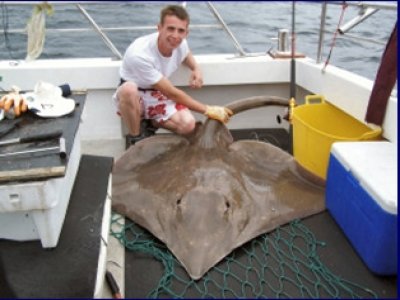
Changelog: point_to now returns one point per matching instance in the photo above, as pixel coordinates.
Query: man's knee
(128, 93)
(186, 125)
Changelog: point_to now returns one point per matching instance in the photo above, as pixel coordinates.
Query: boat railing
(102, 31)
(365, 10)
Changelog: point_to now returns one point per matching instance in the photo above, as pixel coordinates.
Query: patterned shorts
(154, 105)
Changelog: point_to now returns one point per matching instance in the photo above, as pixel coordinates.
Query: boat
(281, 72)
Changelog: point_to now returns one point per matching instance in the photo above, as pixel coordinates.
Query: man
(145, 91)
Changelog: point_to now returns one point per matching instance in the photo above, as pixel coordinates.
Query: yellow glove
(218, 113)
(14, 100)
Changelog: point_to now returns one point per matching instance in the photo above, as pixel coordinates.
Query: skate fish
(205, 195)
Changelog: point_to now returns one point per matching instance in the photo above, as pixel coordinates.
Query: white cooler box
(361, 195)
(35, 210)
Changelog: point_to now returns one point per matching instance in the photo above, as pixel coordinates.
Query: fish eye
(178, 201)
(227, 204)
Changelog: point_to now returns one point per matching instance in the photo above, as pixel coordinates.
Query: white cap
(47, 101)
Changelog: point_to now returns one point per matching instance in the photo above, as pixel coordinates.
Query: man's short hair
(174, 10)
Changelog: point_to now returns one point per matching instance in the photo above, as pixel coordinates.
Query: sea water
(254, 24)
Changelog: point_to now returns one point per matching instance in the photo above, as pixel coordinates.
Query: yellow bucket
(316, 125)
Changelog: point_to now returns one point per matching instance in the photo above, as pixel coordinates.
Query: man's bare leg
(129, 107)
(182, 122)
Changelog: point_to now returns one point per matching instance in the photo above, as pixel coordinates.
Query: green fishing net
(281, 264)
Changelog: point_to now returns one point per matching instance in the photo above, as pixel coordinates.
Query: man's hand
(196, 79)
(218, 113)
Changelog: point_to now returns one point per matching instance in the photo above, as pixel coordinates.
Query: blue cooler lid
(374, 165)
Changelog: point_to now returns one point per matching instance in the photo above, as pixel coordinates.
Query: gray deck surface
(69, 270)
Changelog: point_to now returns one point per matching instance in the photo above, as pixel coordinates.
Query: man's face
(171, 34)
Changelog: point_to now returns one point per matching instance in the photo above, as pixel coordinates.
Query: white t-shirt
(144, 64)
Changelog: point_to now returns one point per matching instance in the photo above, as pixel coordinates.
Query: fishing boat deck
(143, 272)
(73, 268)
(70, 269)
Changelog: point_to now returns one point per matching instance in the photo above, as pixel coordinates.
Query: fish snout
(198, 206)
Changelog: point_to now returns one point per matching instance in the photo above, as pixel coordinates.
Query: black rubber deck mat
(276, 136)
(69, 270)
(32, 166)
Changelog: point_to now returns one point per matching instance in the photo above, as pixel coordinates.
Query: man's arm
(179, 96)
(219, 113)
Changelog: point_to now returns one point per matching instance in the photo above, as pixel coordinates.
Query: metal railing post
(226, 28)
(104, 37)
(321, 32)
